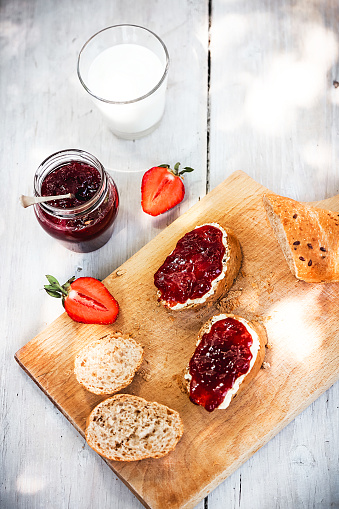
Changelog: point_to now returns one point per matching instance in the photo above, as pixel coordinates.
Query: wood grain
(302, 327)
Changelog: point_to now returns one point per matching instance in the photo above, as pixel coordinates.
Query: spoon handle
(27, 201)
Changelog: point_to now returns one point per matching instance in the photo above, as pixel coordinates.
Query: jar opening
(59, 160)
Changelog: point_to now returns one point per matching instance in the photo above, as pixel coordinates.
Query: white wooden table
(251, 87)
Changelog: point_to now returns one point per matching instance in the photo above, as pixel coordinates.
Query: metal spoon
(27, 201)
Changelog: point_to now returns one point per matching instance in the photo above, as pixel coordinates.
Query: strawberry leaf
(68, 283)
(187, 169)
(52, 280)
(54, 285)
(53, 293)
(52, 288)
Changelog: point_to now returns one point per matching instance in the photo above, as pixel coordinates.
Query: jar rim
(137, 99)
(58, 159)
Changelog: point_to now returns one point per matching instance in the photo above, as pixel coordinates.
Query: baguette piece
(308, 237)
(176, 271)
(108, 364)
(129, 428)
(216, 384)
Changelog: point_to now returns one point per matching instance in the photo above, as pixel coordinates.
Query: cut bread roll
(108, 364)
(229, 353)
(200, 269)
(308, 237)
(129, 428)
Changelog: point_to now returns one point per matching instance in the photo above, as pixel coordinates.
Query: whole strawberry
(85, 299)
(162, 188)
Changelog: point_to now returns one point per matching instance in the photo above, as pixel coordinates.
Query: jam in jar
(85, 222)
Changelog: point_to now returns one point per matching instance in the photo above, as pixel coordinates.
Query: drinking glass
(124, 68)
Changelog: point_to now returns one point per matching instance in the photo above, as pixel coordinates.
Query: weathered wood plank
(43, 460)
(274, 114)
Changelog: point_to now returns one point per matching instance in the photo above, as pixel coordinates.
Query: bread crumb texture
(129, 428)
(108, 364)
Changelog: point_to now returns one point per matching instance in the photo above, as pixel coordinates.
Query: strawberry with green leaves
(85, 299)
(162, 188)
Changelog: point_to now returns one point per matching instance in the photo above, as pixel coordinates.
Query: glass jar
(81, 226)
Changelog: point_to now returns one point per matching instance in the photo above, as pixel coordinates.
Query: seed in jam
(76, 177)
(223, 354)
(188, 272)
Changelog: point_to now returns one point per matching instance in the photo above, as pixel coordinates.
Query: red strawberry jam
(221, 357)
(76, 177)
(83, 223)
(188, 272)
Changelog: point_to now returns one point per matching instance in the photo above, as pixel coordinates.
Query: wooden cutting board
(302, 323)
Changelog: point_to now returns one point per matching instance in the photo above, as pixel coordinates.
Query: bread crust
(122, 378)
(308, 237)
(139, 404)
(262, 336)
(230, 271)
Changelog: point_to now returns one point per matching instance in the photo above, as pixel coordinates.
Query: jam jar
(85, 222)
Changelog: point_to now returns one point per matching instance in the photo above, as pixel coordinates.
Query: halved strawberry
(162, 188)
(85, 299)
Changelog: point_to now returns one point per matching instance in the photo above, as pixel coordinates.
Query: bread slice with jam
(229, 353)
(129, 428)
(200, 269)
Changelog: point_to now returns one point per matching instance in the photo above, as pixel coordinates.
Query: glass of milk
(124, 68)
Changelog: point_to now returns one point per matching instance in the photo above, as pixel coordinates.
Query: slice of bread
(308, 237)
(230, 266)
(212, 359)
(108, 364)
(129, 428)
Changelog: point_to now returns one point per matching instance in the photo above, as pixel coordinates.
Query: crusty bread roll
(108, 364)
(308, 237)
(221, 358)
(230, 264)
(129, 428)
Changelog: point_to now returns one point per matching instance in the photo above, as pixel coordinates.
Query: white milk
(126, 72)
